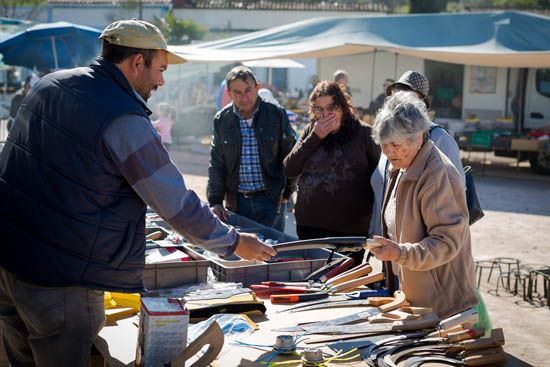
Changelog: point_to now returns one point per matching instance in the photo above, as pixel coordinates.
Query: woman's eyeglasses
(320, 110)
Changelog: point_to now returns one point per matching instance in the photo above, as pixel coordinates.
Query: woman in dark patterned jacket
(334, 160)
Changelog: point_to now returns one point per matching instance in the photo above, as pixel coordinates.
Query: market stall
(304, 307)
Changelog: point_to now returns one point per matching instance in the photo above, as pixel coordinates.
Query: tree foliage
(422, 6)
(20, 9)
(179, 31)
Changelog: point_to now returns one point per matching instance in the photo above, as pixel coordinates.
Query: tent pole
(52, 39)
(395, 68)
(507, 95)
(372, 75)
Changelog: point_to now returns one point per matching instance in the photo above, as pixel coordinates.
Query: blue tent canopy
(502, 39)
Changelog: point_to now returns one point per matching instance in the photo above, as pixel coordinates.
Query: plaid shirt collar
(240, 116)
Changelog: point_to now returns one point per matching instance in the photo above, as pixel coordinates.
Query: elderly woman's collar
(417, 166)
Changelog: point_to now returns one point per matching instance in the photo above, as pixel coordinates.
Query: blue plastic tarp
(506, 39)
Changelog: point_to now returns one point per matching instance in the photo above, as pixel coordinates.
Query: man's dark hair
(239, 72)
(339, 74)
(117, 54)
(27, 82)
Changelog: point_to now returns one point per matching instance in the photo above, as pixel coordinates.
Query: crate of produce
(482, 139)
(463, 139)
(501, 141)
(505, 123)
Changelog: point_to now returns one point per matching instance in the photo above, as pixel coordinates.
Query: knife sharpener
(285, 344)
(312, 357)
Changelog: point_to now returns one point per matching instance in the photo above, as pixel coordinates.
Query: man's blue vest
(65, 218)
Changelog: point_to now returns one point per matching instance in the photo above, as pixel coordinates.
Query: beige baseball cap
(138, 34)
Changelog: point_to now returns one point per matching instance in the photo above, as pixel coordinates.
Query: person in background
(164, 123)
(377, 103)
(333, 161)
(416, 84)
(342, 77)
(313, 81)
(426, 235)
(267, 96)
(77, 172)
(223, 98)
(251, 139)
(19, 96)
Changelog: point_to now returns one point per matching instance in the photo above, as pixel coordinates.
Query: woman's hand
(325, 126)
(389, 250)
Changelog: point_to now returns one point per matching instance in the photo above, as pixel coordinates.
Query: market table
(117, 343)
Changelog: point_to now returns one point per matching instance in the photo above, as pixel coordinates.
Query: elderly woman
(424, 212)
(334, 159)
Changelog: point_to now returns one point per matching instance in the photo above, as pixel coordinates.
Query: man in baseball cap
(80, 166)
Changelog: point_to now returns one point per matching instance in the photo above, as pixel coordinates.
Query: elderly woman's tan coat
(435, 265)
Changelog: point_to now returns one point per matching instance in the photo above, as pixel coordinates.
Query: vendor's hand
(388, 252)
(325, 126)
(251, 248)
(219, 210)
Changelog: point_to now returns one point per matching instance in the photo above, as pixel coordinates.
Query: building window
(543, 82)
(446, 81)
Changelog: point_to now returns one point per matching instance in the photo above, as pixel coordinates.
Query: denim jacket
(275, 139)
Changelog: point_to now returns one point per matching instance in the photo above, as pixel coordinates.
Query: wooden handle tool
(154, 235)
(357, 272)
(483, 359)
(343, 287)
(398, 302)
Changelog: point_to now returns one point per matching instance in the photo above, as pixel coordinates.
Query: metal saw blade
(363, 315)
(335, 304)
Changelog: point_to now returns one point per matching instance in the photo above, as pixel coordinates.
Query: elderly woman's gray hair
(402, 116)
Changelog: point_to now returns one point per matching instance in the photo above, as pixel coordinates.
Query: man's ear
(228, 92)
(136, 63)
(257, 87)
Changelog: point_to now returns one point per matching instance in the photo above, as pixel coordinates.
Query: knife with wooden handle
(356, 272)
(352, 284)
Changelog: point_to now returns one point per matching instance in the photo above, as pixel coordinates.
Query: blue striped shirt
(250, 170)
(135, 151)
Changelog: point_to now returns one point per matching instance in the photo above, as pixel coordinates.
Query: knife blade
(362, 294)
(349, 244)
(429, 320)
(360, 316)
(371, 301)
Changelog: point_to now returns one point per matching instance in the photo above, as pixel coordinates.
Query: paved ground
(516, 202)
(517, 207)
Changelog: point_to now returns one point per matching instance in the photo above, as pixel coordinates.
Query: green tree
(179, 31)
(20, 9)
(423, 6)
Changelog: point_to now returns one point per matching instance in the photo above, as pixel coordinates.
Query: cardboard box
(162, 334)
(528, 144)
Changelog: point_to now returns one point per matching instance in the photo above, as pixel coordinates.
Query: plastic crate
(170, 275)
(234, 269)
(501, 142)
(482, 139)
(250, 272)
